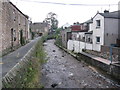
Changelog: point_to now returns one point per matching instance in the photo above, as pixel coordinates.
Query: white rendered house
(105, 29)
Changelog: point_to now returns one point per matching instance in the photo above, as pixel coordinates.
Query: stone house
(40, 28)
(15, 27)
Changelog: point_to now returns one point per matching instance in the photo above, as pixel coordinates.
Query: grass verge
(33, 75)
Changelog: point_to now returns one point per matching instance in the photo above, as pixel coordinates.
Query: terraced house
(15, 27)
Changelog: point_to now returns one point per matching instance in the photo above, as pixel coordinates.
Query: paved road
(10, 60)
(64, 71)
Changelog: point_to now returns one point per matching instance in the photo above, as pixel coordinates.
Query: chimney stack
(106, 11)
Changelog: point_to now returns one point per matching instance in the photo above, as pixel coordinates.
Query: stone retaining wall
(107, 49)
(104, 54)
(111, 69)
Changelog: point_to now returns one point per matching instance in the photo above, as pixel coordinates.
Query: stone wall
(66, 35)
(111, 69)
(13, 21)
(107, 49)
(105, 53)
(0, 27)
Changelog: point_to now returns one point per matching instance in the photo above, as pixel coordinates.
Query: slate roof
(89, 21)
(114, 14)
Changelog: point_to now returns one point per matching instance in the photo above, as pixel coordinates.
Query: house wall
(6, 25)
(98, 32)
(64, 38)
(78, 36)
(90, 27)
(66, 34)
(74, 35)
(12, 18)
(1, 27)
(78, 46)
(70, 45)
(89, 46)
(82, 46)
(111, 31)
(29, 30)
(81, 36)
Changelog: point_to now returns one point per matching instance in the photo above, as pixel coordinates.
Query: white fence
(77, 46)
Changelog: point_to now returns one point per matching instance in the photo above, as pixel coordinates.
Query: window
(97, 39)
(97, 23)
(83, 39)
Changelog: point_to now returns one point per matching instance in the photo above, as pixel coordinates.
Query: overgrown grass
(31, 76)
(34, 71)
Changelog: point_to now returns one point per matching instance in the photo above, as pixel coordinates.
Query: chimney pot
(106, 11)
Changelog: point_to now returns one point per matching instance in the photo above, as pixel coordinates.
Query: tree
(52, 20)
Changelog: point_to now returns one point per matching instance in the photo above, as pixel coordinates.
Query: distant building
(66, 35)
(79, 30)
(40, 28)
(15, 27)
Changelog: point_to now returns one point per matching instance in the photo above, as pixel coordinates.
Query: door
(12, 38)
(21, 37)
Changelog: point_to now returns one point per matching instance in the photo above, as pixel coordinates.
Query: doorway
(12, 38)
(21, 37)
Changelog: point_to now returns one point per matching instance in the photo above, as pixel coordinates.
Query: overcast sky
(65, 13)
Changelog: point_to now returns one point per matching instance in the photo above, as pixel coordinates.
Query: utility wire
(70, 4)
